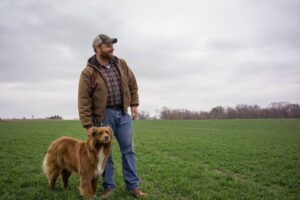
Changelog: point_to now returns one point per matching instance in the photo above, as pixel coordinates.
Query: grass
(207, 159)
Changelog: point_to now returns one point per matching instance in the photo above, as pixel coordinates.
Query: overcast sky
(190, 54)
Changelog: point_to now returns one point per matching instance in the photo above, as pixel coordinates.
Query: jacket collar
(94, 63)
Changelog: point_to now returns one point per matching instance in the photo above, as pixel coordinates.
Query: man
(107, 88)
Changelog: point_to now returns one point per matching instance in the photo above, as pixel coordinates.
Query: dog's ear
(110, 131)
(94, 131)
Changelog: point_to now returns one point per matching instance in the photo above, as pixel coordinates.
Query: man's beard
(105, 55)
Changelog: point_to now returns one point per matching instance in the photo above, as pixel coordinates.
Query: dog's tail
(46, 163)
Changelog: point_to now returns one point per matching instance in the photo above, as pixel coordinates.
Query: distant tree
(217, 112)
(242, 111)
(203, 115)
(277, 109)
(165, 113)
(55, 117)
(293, 110)
(230, 113)
(284, 110)
(143, 115)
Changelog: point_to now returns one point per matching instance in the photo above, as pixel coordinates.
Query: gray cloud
(194, 55)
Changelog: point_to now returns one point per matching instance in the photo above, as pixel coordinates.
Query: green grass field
(207, 159)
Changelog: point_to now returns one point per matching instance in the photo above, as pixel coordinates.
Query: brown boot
(107, 193)
(137, 193)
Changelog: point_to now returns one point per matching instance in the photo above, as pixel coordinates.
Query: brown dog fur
(66, 155)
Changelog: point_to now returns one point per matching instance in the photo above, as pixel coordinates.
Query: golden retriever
(87, 158)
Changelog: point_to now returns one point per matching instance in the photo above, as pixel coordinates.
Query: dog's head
(101, 136)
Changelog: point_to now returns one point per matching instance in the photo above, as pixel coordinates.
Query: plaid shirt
(113, 82)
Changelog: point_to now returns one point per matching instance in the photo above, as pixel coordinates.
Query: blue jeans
(121, 124)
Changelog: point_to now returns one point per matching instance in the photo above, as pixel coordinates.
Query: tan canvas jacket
(92, 92)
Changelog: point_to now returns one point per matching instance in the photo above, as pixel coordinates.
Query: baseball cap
(103, 39)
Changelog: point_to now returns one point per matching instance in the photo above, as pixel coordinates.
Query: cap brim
(111, 41)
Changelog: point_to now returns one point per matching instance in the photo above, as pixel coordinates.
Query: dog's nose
(106, 138)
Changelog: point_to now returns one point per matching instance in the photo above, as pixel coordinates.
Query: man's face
(105, 51)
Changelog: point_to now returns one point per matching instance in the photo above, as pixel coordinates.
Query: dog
(87, 158)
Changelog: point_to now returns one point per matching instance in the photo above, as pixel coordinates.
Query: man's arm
(85, 100)
(133, 87)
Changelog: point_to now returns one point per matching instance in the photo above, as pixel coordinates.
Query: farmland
(201, 159)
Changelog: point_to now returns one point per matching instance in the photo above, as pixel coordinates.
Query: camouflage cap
(103, 39)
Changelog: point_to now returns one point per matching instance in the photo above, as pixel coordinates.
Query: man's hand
(134, 112)
(89, 131)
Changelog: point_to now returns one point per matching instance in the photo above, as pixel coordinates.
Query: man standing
(107, 87)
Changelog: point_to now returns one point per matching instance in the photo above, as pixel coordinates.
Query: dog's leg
(65, 174)
(52, 178)
(94, 184)
(86, 187)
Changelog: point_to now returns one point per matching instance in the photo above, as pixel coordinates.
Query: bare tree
(217, 112)
(241, 111)
(143, 115)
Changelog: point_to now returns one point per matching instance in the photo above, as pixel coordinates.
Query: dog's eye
(97, 133)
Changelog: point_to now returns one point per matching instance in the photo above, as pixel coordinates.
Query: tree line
(242, 111)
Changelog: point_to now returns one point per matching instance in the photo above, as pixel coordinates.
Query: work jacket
(92, 91)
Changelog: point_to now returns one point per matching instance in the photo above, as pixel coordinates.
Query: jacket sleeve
(133, 87)
(85, 99)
